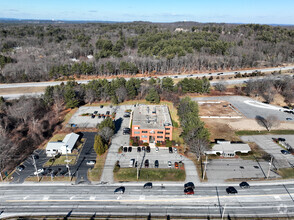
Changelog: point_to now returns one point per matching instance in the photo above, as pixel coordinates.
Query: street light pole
(223, 213)
(269, 168)
(35, 167)
(205, 168)
(67, 165)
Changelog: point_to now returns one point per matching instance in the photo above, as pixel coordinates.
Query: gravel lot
(248, 110)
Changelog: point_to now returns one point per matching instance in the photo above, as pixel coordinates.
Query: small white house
(66, 146)
(228, 149)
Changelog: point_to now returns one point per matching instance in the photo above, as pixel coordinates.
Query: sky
(228, 11)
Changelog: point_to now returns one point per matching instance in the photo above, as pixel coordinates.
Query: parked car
(125, 149)
(156, 149)
(132, 163)
(39, 171)
(99, 116)
(244, 185)
(20, 168)
(147, 185)
(148, 149)
(175, 150)
(189, 185)
(289, 119)
(91, 162)
(127, 115)
(170, 150)
(175, 76)
(120, 190)
(92, 116)
(156, 164)
(138, 149)
(146, 163)
(189, 191)
(169, 164)
(231, 190)
(95, 112)
(107, 112)
(285, 152)
(101, 106)
(143, 148)
(130, 149)
(176, 165)
(281, 139)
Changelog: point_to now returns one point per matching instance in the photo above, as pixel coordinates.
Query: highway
(99, 200)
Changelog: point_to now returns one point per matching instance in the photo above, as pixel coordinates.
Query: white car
(39, 171)
(169, 164)
(156, 149)
(175, 150)
(91, 162)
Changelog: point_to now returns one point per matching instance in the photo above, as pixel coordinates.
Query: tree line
(57, 51)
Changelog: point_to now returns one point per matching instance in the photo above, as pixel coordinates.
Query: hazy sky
(233, 11)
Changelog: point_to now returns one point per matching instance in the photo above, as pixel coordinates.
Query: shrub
(145, 144)
(157, 144)
(168, 143)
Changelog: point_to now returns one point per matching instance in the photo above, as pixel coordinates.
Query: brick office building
(151, 123)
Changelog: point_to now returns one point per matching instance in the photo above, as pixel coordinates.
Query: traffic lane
(138, 190)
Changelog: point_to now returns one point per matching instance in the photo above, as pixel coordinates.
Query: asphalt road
(96, 200)
(182, 76)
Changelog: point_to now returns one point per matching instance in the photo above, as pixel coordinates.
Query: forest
(57, 51)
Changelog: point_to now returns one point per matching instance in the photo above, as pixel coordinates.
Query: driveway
(250, 108)
(267, 144)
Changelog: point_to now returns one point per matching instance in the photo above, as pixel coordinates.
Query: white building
(228, 149)
(66, 146)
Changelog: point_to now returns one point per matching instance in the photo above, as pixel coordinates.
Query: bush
(175, 124)
(158, 144)
(145, 144)
(168, 143)
(116, 167)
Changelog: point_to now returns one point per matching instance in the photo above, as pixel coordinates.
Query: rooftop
(152, 116)
(231, 147)
(69, 141)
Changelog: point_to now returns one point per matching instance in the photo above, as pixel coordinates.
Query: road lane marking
(192, 198)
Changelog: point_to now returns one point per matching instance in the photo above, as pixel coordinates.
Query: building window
(152, 132)
(136, 127)
(167, 128)
(166, 138)
(159, 136)
(137, 132)
(145, 132)
(144, 136)
(159, 132)
(167, 133)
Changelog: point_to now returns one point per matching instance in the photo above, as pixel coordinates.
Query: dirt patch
(217, 108)
(220, 129)
(252, 125)
(22, 90)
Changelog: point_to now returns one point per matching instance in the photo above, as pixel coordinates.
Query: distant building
(66, 146)
(152, 123)
(181, 30)
(228, 149)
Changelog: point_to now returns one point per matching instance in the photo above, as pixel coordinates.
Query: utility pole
(35, 167)
(1, 176)
(137, 168)
(67, 165)
(269, 168)
(205, 168)
(223, 213)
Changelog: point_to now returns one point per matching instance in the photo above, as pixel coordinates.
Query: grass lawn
(176, 135)
(68, 116)
(57, 137)
(286, 173)
(61, 161)
(240, 133)
(150, 174)
(96, 172)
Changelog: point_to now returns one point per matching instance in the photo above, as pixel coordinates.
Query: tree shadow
(118, 124)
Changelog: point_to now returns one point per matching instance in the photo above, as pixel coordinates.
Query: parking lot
(220, 170)
(267, 144)
(78, 170)
(85, 117)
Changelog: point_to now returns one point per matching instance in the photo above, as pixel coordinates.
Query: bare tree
(106, 133)
(221, 86)
(121, 94)
(198, 146)
(268, 122)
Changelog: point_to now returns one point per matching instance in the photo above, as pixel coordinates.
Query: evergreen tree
(153, 96)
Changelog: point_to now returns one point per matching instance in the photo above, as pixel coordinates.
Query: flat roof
(151, 116)
(230, 148)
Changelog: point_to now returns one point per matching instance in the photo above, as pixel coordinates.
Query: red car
(189, 191)
(176, 165)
